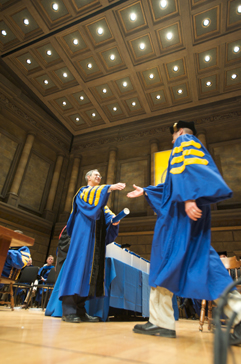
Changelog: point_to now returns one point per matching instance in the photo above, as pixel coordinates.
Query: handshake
(138, 191)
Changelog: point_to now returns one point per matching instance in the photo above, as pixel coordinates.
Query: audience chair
(26, 279)
(230, 263)
(9, 281)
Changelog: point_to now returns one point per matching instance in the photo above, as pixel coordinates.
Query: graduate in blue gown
(90, 229)
(182, 259)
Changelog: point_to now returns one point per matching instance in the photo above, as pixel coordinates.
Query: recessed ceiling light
(112, 57)
(114, 108)
(81, 98)
(206, 22)
(234, 75)
(76, 119)
(104, 90)
(26, 21)
(46, 82)
(4, 33)
(55, 6)
(28, 61)
(169, 35)
(208, 83)
(239, 9)
(133, 16)
(124, 84)
(175, 68)
(158, 97)
(207, 58)
(133, 103)
(142, 46)
(151, 76)
(180, 91)
(236, 49)
(76, 41)
(64, 103)
(65, 74)
(49, 52)
(93, 114)
(89, 65)
(163, 4)
(100, 31)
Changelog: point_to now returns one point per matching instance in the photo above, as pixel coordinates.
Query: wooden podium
(8, 238)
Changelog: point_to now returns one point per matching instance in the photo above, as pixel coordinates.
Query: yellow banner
(160, 166)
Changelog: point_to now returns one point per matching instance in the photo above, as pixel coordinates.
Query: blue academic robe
(43, 272)
(182, 259)
(87, 206)
(16, 258)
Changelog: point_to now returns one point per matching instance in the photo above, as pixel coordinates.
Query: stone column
(48, 213)
(154, 149)
(72, 184)
(111, 172)
(202, 137)
(13, 193)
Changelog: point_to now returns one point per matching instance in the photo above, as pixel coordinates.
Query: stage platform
(27, 337)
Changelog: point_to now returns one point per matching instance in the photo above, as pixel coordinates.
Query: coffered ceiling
(101, 63)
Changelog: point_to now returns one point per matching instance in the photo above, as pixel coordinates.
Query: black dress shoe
(150, 329)
(71, 318)
(235, 337)
(88, 318)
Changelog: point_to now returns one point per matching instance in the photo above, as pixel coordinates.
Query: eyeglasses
(98, 175)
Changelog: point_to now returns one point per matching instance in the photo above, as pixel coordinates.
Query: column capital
(201, 131)
(113, 149)
(153, 140)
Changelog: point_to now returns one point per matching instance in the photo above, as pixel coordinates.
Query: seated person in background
(43, 275)
(41, 278)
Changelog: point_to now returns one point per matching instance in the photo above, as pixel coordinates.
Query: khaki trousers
(162, 314)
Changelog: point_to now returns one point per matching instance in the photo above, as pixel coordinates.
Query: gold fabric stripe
(92, 193)
(195, 161)
(196, 152)
(188, 161)
(97, 197)
(25, 258)
(191, 143)
(179, 159)
(106, 210)
(177, 150)
(85, 192)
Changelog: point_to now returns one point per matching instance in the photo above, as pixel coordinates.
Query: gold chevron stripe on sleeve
(97, 197)
(107, 210)
(196, 152)
(25, 258)
(188, 161)
(177, 150)
(177, 159)
(191, 143)
(92, 193)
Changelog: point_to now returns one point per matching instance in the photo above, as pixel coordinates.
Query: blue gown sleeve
(193, 175)
(19, 258)
(111, 230)
(153, 195)
(88, 201)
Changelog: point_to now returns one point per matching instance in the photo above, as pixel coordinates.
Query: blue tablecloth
(125, 288)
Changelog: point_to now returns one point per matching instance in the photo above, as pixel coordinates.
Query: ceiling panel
(116, 62)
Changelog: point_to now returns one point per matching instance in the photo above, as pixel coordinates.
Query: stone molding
(149, 132)
(32, 122)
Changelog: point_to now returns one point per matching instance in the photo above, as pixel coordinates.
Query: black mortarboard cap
(183, 124)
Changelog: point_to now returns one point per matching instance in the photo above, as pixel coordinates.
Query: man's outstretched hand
(192, 210)
(136, 193)
(117, 187)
